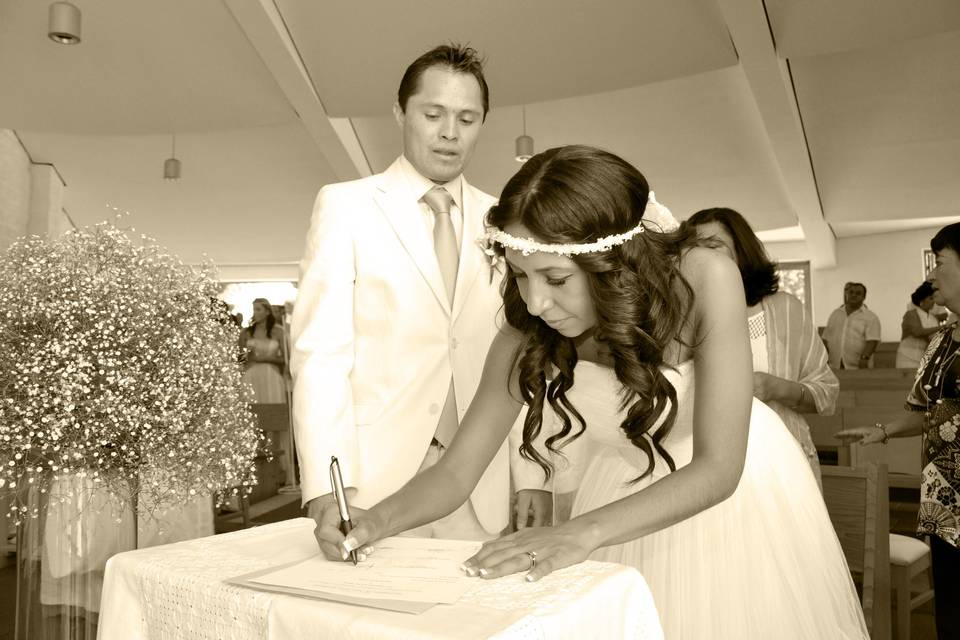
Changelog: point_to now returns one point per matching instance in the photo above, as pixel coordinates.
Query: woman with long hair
(261, 342)
(636, 339)
(791, 373)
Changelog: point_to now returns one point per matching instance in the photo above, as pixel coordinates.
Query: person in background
(790, 370)
(932, 410)
(264, 362)
(396, 308)
(853, 331)
(918, 324)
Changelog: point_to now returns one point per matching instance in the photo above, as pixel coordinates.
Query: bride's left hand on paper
(536, 550)
(325, 513)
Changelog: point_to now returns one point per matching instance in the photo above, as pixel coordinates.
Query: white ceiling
(815, 119)
(884, 128)
(537, 49)
(142, 67)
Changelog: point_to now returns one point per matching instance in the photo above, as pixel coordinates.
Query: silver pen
(336, 481)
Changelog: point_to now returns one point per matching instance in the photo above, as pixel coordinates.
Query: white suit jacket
(375, 340)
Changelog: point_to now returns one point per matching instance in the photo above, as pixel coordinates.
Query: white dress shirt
(419, 185)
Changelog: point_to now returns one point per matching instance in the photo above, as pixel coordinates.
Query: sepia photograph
(490, 319)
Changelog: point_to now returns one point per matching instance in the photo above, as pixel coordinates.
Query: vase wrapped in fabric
(122, 407)
(62, 553)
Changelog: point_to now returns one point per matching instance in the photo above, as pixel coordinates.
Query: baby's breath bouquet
(116, 367)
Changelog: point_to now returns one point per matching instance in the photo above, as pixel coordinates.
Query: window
(929, 262)
(240, 297)
(795, 280)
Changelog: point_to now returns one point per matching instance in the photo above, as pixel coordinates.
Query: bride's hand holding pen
(326, 514)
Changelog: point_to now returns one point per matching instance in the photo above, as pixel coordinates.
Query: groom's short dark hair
(456, 58)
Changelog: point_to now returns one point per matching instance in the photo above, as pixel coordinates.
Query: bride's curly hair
(579, 194)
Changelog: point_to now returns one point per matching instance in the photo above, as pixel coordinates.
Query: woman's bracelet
(883, 429)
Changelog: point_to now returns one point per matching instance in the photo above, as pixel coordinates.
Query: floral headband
(654, 213)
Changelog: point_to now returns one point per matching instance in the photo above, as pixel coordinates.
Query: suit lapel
(471, 257)
(404, 215)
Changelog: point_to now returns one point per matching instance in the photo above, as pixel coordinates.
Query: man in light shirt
(397, 307)
(853, 331)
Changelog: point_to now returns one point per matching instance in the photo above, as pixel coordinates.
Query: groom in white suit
(396, 309)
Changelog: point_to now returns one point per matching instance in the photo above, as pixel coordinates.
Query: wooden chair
(272, 419)
(909, 557)
(858, 502)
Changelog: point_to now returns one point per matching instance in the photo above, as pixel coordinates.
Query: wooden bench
(900, 455)
(875, 379)
(868, 396)
(885, 357)
(873, 397)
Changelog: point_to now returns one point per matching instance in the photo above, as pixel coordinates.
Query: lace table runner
(183, 594)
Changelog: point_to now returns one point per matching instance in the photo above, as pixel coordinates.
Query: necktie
(444, 239)
(448, 257)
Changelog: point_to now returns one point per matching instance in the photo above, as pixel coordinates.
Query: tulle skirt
(765, 563)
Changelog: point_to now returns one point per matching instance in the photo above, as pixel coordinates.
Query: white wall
(31, 195)
(889, 264)
(259, 272)
(14, 189)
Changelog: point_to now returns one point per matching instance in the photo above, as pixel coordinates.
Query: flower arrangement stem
(135, 506)
(18, 617)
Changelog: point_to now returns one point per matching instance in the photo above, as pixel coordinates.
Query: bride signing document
(624, 332)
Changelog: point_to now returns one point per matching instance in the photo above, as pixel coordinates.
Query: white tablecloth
(177, 591)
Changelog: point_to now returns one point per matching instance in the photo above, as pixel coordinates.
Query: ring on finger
(533, 558)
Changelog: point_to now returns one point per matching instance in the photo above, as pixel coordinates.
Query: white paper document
(410, 570)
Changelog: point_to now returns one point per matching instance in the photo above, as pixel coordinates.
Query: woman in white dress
(918, 325)
(264, 362)
(637, 340)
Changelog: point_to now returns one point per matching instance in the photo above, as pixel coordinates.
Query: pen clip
(336, 482)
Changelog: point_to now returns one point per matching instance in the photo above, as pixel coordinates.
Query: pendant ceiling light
(171, 166)
(64, 23)
(524, 144)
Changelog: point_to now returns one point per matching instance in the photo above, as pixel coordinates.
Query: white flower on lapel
(494, 262)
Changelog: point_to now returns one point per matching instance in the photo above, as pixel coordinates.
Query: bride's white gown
(765, 563)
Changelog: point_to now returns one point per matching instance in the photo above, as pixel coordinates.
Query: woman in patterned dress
(933, 411)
